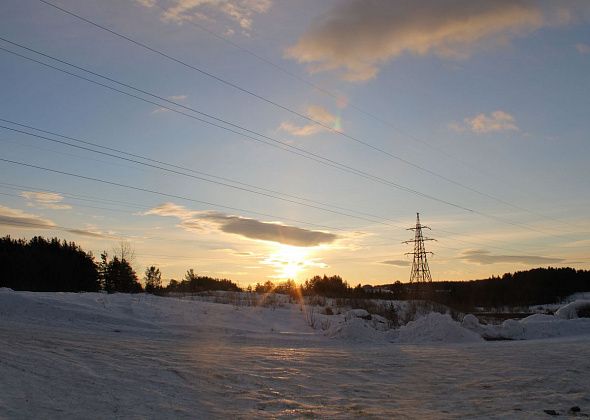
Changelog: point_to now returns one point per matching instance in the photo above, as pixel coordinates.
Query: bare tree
(125, 251)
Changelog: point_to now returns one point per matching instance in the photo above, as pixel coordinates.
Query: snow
(93, 355)
(570, 311)
(436, 327)
(537, 326)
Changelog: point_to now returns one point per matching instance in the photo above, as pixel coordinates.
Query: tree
(190, 275)
(153, 279)
(194, 283)
(332, 286)
(264, 288)
(119, 276)
(125, 251)
(102, 267)
(46, 265)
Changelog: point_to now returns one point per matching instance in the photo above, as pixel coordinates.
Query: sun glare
(288, 261)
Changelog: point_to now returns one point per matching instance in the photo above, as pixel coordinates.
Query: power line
(78, 205)
(293, 149)
(285, 108)
(451, 233)
(364, 112)
(183, 168)
(320, 89)
(381, 221)
(19, 187)
(190, 176)
(163, 194)
(257, 56)
(275, 143)
(80, 232)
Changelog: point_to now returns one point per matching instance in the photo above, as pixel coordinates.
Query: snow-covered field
(139, 356)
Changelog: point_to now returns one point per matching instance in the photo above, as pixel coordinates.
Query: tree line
(522, 288)
(54, 265)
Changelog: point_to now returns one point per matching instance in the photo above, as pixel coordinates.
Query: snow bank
(436, 327)
(355, 330)
(570, 311)
(357, 325)
(147, 314)
(564, 323)
(143, 312)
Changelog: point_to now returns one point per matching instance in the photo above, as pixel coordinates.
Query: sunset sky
(274, 139)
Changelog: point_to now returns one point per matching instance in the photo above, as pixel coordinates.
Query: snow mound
(537, 318)
(356, 330)
(571, 310)
(358, 325)
(471, 323)
(436, 327)
(357, 313)
(533, 327)
(144, 313)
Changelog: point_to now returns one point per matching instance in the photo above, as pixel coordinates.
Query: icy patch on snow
(436, 327)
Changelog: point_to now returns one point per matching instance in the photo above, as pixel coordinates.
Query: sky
(263, 140)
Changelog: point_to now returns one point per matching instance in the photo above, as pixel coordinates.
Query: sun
(288, 261)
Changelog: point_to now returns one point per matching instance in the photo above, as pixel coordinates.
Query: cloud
(147, 3)
(316, 113)
(244, 254)
(241, 12)
(359, 36)
(177, 97)
(497, 121)
(173, 98)
(245, 227)
(485, 257)
(583, 48)
(90, 233)
(18, 218)
(399, 263)
(46, 200)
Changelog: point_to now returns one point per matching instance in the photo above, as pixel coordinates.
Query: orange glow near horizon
(288, 261)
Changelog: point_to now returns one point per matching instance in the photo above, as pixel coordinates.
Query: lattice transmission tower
(420, 269)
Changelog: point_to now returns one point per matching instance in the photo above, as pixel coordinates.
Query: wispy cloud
(46, 200)
(316, 113)
(146, 3)
(173, 98)
(485, 257)
(177, 97)
(583, 48)
(192, 220)
(358, 36)
(497, 121)
(399, 263)
(18, 218)
(92, 234)
(244, 254)
(242, 12)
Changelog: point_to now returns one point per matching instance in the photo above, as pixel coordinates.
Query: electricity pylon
(420, 270)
